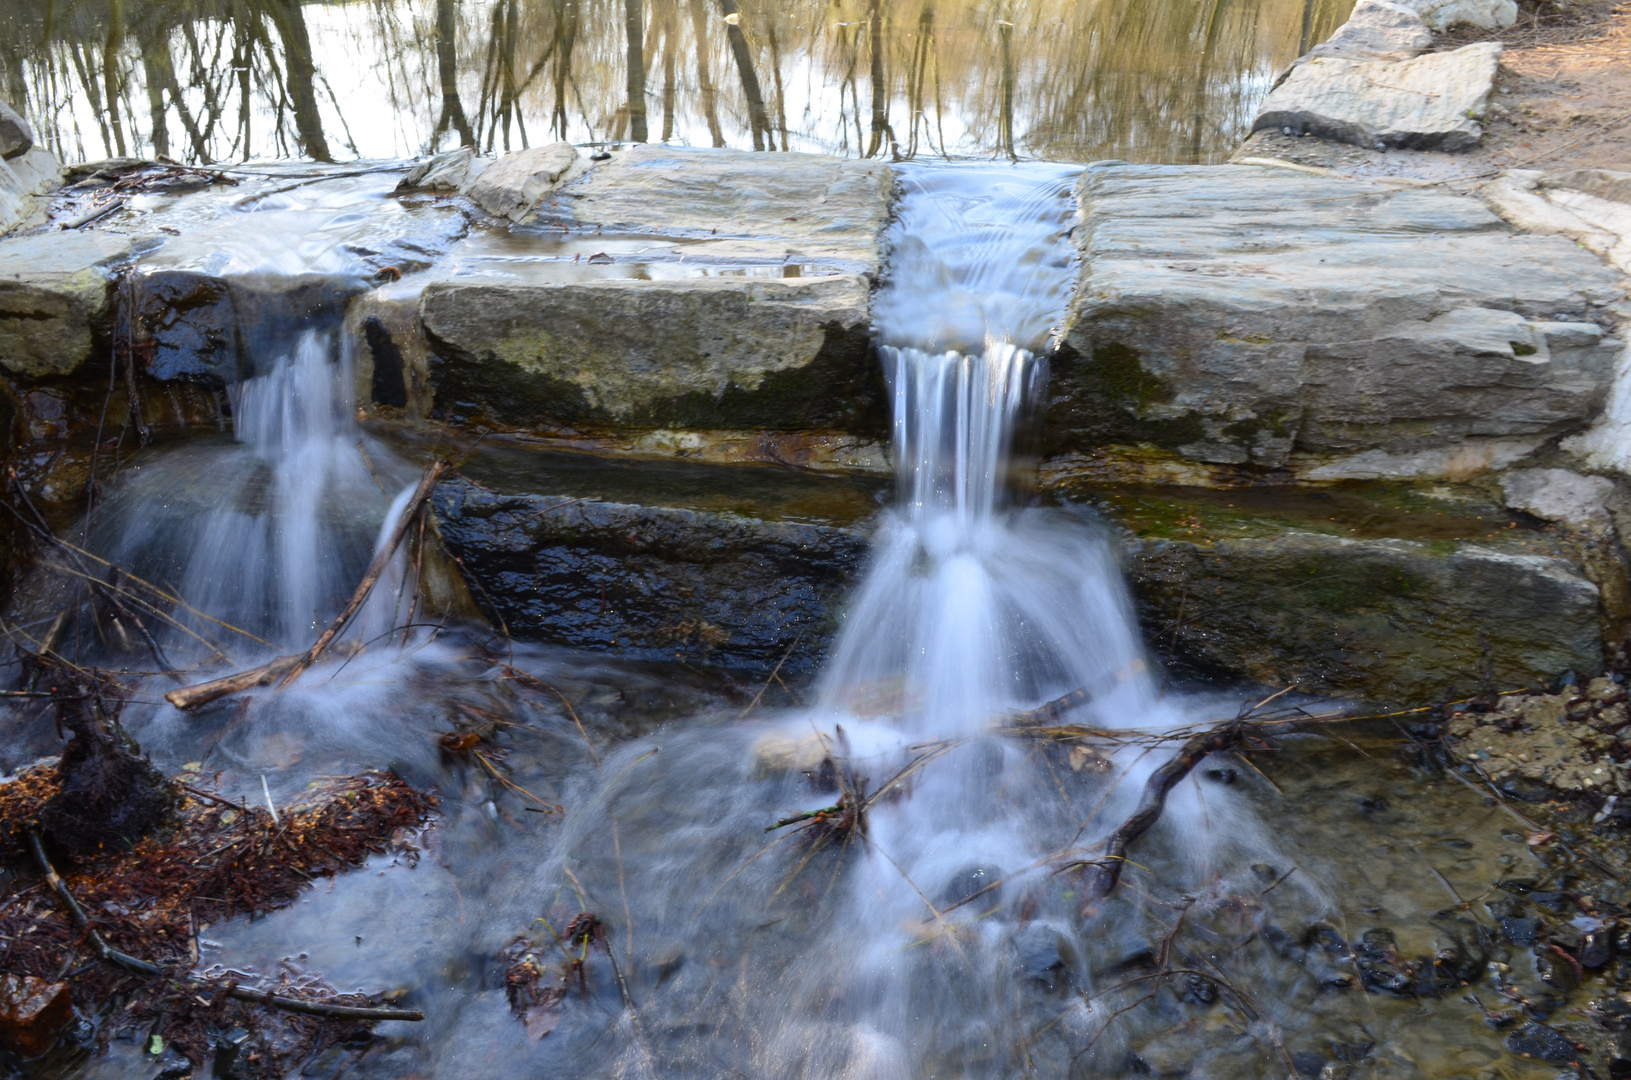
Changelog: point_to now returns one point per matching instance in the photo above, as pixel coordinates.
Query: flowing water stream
(945, 931)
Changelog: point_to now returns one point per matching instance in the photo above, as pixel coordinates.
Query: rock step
(1247, 315)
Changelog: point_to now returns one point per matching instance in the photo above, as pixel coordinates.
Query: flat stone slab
(1239, 314)
(687, 288)
(53, 294)
(1432, 102)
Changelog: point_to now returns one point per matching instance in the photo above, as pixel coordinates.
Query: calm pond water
(1066, 80)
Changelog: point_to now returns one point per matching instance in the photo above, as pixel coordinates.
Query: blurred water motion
(1069, 80)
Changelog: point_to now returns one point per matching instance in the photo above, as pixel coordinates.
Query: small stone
(32, 1011)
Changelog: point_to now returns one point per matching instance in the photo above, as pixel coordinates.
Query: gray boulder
(53, 296)
(25, 183)
(1432, 102)
(511, 186)
(16, 137)
(1240, 314)
(1378, 30)
(1561, 496)
(703, 289)
(452, 171)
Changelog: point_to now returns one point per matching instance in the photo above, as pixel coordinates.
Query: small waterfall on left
(269, 534)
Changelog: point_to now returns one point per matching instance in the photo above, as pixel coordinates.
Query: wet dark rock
(1044, 956)
(1283, 944)
(197, 327)
(1199, 990)
(1517, 886)
(974, 886)
(389, 385)
(1611, 1014)
(1371, 804)
(1308, 1064)
(32, 1011)
(1326, 937)
(1555, 902)
(1519, 931)
(1539, 1041)
(1556, 969)
(1380, 965)
(1619, 1068)
(1221, 776)
(651, 582)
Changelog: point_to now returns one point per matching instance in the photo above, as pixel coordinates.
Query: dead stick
(427, 484)
(289, 668)
(1162, 780)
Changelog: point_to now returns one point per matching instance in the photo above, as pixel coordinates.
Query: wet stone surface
(651, 581)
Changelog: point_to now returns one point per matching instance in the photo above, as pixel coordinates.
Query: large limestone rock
(1562, 496)
(1378, 30)
(1432, 102)
(16, 137)
(1239, 315)
(53, 295)
(702, 289)
(512, 186)
(796, 208)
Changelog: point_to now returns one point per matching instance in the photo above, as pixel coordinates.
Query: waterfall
(271, 534)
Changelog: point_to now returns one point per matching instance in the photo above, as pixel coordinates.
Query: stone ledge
(1237, 314)
(652, 582)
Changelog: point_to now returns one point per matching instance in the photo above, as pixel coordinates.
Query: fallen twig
(286, 669)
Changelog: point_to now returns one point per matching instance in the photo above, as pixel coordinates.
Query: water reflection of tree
(212, 80)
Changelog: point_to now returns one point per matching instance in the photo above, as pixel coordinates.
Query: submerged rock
(1432, 102)
(1240, 315)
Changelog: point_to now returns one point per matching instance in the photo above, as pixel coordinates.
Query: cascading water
(925, 936)
(271, 535)
(943, 934)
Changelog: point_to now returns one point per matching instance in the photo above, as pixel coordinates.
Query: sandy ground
(1562, 102)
